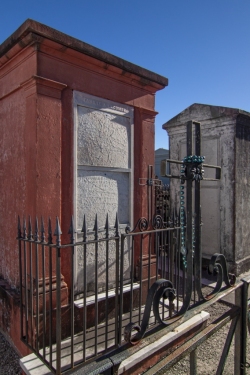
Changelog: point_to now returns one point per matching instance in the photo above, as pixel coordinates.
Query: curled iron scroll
(218, 266)
(158, 222)
(160, 288)
(142, 224)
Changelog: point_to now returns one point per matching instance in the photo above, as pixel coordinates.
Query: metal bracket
(149, 182)
(164, 164)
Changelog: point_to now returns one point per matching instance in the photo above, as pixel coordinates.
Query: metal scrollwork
(218, 267)
(142, 224)
(158, 222)
(160, 289)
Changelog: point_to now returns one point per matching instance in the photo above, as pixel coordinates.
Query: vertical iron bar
(164, 254)
(44, 285)
(50, 291)
(193, 362)
(19, 237)
(96, 282)
(72, 241)
(149, 261)
(189, 203)
(119, 278)
(84, 231)
(140, 295)
(30, 238)
(157, 250)
(227, 345)
(178, 261)
(132, 277)
(36, 239)
(245, 288)
(121, 281)
(107, 282)
(26, 282)
(197, 218)
(238, 333)
(58, 233)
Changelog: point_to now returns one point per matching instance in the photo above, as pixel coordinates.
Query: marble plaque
(103, 181)
(102, 193)
(103, 138)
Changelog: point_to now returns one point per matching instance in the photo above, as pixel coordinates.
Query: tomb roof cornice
(203, 113)
(32, 31)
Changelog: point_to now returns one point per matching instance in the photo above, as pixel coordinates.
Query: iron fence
(123, 274)
(64, 328)
(118, 282)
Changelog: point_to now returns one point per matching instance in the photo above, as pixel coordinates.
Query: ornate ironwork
(190, 244)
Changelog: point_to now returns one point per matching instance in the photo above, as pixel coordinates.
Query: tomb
(225, 203)
(77, 134)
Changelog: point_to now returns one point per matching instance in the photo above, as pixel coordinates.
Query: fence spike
(24, 229)
(36, 236)
(84, 229)
(107, 226)
(58, 232)
(96, 227)
(116, 225)
(42, 230)
(50, 238)
(72, 230)
(19, 231)
(30, 235)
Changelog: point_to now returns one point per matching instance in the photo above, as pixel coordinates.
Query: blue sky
(202, 46)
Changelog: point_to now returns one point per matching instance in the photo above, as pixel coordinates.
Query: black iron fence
(128, 282)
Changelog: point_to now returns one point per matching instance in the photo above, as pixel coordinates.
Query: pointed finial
(50, 238)
(42, 230)
(72, 230)
(24, 229)
(96, 227)
(84, 229)
(116, 225)
(19, 232)
(58, 232)
(107, 226)
(36, 236)
(30, 235)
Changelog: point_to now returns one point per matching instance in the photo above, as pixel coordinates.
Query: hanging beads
(182, 219)
(193, 237)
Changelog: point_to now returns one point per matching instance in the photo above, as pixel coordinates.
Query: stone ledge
(154, 347)
(32, 365)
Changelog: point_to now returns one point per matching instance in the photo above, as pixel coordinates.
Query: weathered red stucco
(39, 69)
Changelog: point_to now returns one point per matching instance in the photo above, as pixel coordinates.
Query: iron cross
(192, 170)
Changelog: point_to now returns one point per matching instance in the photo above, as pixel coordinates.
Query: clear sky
(202, 46)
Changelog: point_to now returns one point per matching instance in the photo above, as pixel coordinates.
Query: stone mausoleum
(77, 133)
(225, 204)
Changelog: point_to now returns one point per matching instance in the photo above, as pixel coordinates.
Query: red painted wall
(36, 139)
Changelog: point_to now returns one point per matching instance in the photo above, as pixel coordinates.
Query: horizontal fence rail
(118, 284)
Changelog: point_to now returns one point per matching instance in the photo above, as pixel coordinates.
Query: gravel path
(208, 354)
(9, 359)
